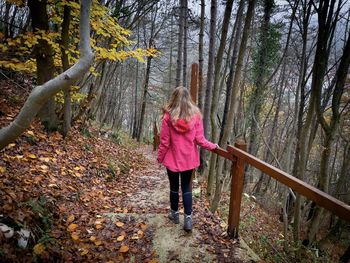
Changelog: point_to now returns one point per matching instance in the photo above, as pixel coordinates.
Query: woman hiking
(180, 133)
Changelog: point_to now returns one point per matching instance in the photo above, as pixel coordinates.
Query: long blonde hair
(181, 105)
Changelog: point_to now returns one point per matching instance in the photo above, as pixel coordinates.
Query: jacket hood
(181, 125)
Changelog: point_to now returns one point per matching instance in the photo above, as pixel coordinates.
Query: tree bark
(210, 71)
(65, 65)
(234, 83)
(44, 60)
(179, 45)
(40, 94)
(215, 90)
(184, 62)
(200, 56)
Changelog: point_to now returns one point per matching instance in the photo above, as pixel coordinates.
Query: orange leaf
(75, 237)
(98, 226)
(124, 249)
(119, 224)
(98, 242)
(72, 227)
(92, 238)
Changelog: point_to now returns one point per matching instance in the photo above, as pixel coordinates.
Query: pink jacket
(178, 143)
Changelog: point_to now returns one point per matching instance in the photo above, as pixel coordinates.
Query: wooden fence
(239, 158)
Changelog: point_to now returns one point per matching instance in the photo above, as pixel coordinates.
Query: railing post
(237, 181)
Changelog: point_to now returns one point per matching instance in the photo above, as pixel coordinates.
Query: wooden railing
(239, 157)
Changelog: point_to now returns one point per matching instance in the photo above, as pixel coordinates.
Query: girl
(180, 133)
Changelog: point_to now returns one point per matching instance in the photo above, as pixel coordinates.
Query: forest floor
(88, 199)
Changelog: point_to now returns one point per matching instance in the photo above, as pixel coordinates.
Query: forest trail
(206, 243)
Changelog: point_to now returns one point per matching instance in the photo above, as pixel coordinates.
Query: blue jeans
(186, 189)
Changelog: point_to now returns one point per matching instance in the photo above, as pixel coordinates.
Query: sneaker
(174, 216)
(188, 223)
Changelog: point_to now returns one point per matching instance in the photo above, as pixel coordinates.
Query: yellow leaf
(120, 238)
(77, 168)
(124, 249)
(92, 238)
(38, 249)
(44, 159)
(119, 224)
(2, 170)
(140, 233)
(71, 218)
(98, 242)
(30, 133)
(110, 261)
(77, 174)
(75, 237)
(11, 145)
(135, 237)
(44, 167)
(72, 227)
(32, 156)
(84, 251)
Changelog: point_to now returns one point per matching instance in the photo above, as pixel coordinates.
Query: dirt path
(206, 243)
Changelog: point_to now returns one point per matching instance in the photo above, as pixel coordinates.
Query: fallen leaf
(98, 242)
(92, 238)
(38, 249)
(119, 224)
(124, 249)
(120, 238)
(2, 169)
(75, 237)
(30, 133)
(98, 226)
(84, 251)
(72, 227)
(140, 233)
(70, 219)
(32, 156)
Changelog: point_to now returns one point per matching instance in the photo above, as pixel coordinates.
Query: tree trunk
(44, 60)
(237, 30)
(210, 71)
(200, 57)
(215, 95)
(65, 65)
(184, 65)
(261, 71)
(331, 128)
(234, 83)
(179, 44)
(144, 98)
(40, 94)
